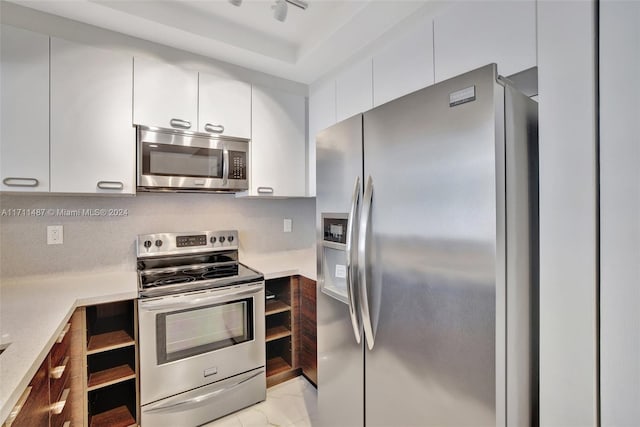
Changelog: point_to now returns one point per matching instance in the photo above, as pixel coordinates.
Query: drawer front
(60, 349)
(59, 379)
(58, 420)
(35, 410)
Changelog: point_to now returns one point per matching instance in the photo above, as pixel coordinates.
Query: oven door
(197, 338)
(169, 159)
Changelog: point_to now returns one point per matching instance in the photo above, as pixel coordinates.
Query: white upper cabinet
(164, 95)
(354, 92)
(24, 120)
(404, 65)
(472, 34)
(92, 139)
(224, 106)
(278, 164)
(322, 114)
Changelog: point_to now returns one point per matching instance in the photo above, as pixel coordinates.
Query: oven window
(198, 330)
(176, 160)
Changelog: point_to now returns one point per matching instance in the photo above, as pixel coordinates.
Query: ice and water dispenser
(334, 255)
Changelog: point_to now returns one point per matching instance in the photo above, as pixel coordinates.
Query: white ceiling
(303, 48)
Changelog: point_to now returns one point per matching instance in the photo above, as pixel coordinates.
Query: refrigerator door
(340, 357)
(434, 250)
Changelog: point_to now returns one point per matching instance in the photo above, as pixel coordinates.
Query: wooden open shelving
(277, 332)
(109, 341)
(111, 364)
(116, 417)
(275, 306)
(282, 336)
(277, 365)
(110, 376)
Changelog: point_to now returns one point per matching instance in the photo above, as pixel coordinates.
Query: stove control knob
(158, 243)
(221, 239)
(147, 244)
(230, 239)
(212, 239)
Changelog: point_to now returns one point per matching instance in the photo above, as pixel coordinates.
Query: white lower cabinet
(92, 139)
(278, 164)
(24, 111)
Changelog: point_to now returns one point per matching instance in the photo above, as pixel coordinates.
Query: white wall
(566, 82)
(620, 212)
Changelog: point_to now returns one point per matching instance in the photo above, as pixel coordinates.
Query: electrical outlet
(55, 235)
(287, 225)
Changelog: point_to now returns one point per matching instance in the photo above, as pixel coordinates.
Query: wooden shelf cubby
(282, 330)
(111, 364)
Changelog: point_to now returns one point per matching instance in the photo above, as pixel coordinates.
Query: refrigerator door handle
(352, 260)
(363, 266)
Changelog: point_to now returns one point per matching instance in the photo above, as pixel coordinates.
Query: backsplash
(93, 240)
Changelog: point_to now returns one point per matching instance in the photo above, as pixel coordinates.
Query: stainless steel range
(201, 328)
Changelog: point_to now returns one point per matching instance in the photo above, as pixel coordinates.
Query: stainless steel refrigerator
(427, 259)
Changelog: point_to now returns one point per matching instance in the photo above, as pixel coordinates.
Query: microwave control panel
(237, 165)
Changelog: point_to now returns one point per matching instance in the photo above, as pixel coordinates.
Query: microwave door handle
(153, 306)
(225, 166)
(352, 261)
(363, 263)
(175, 405)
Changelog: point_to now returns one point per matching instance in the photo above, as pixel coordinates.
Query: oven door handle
(181, 403)
(163, 305)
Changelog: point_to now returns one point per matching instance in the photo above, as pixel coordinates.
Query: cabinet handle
(66, 424)
(56, 373)
(213, 128)
(16, 409)
(110, 185)
(182, 124)
(20, 182)
(58, 407)
(63, 333)
(265, 190)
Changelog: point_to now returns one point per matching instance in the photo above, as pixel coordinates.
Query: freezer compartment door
(338, 192)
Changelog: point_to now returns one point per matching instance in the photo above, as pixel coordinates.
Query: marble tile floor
(293, 403)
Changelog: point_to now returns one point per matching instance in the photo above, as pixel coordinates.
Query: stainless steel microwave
(177, 160)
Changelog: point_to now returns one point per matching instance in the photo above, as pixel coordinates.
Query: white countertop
(284, 263)
(35, 309)
(33, 312)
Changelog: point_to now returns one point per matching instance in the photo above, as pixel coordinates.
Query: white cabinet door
(472, 34)
(404, 65)
(164, 95)
(354, 90)
(24, 122)
(224, 106)
(277, 144)
(322, 114)
(92, 139)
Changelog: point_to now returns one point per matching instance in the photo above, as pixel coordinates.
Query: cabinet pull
(66, 424)
(16, 409)
(20, 182)
(58, 407)
(182, 124)
(56, 372)
(213, 128)
(63, 333)
(110, 185)
(265, 190)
